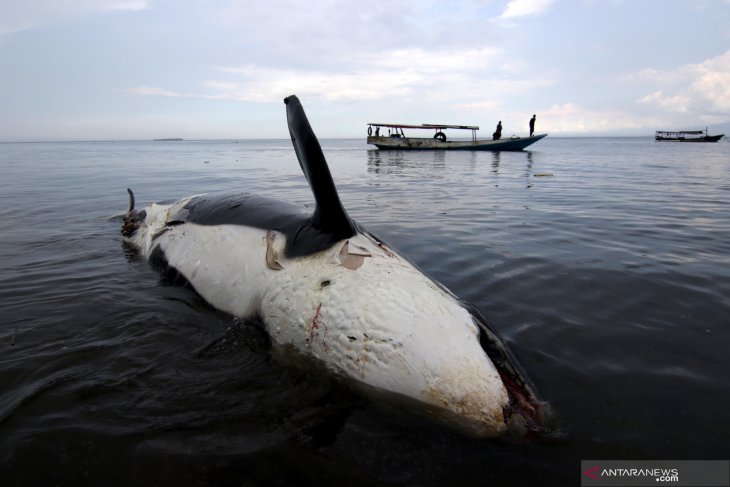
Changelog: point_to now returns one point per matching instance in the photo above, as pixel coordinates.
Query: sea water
(604, 262)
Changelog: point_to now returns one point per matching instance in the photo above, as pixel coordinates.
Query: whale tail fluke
(329, 216)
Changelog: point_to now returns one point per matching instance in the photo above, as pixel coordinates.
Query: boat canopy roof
(437, 126)
(689, 132)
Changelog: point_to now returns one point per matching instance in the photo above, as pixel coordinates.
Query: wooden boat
(687, 136)
(396, 138)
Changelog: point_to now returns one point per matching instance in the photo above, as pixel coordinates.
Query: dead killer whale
(327, 290)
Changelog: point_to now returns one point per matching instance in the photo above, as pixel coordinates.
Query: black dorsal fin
(329, 216)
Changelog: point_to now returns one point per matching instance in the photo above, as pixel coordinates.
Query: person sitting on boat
(497, 133)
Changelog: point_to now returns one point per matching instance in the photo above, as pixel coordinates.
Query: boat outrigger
(687, 136)
(396, 138)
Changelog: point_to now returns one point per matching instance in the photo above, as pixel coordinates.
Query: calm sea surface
(604, 262)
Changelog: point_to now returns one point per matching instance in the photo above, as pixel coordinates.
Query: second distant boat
(686, 136)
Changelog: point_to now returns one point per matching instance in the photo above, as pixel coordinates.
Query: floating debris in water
(543, 175)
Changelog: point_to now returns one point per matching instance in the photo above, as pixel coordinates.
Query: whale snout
(478, 411)
(525, 413)
(486, 401)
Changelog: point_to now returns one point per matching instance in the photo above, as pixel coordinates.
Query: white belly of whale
(380, 322)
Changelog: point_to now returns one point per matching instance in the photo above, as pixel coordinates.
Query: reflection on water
(496, 156)
(398, 161)
(390, 162)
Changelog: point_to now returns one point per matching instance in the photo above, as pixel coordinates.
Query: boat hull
(413, 143)
(708, 138)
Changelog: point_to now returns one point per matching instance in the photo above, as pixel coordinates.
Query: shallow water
(604, 262)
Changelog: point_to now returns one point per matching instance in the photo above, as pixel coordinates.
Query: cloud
(471, 74)
(571, 118)
(7, 29)
(674, 103)
(702, 89)
(16, 16)
(130, 6)
(434, 61)
(360, 54)
(522, 8)
(151, 91)
(483, 106)
(328, 31)
(271, 84)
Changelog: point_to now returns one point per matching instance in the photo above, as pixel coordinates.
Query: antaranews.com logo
(638, 473)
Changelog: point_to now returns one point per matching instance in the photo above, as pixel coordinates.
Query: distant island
(166, 140)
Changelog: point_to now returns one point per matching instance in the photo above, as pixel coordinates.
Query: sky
(219, 69)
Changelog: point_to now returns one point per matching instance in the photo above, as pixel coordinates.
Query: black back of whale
(305, 234)
(303, 237)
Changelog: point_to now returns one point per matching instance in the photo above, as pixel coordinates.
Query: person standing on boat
(497, 133)
(532, 125)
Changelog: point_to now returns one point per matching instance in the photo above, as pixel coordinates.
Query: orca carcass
(327, 290)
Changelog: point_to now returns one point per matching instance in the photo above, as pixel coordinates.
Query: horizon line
(268, 138)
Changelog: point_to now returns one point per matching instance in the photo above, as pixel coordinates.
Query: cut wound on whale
(351, 260)
(314, 327)
(271, 261)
